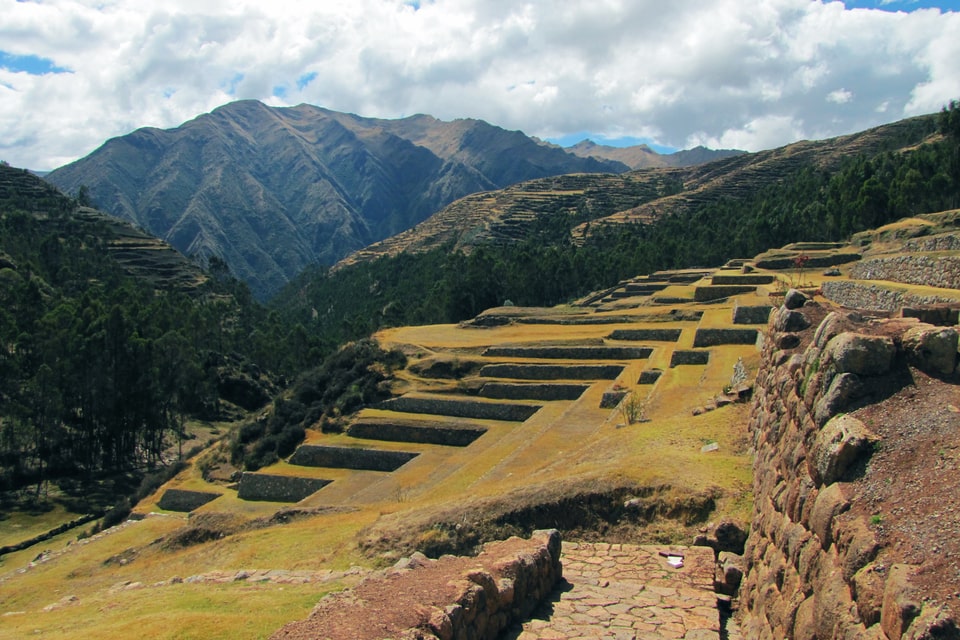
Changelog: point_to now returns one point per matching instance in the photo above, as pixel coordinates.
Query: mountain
(273, 190)
(136, 253)
(643, 157)
(587, 203)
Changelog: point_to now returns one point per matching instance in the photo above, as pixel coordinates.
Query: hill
(273, 190)
(588, 203)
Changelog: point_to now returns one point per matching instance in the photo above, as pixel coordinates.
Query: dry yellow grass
(565, 444)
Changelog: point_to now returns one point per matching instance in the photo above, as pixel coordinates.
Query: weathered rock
(860, 354)
(856, 545)
(867, 586)
(901, 603)
(731, 568)
(829, 328)
(838, 395)
(831, 502)
(931, 349)
(842, 442)
(794, 299)
(933, 623)
(787, 340)
(788, 321)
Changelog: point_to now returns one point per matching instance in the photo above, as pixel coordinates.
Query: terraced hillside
(618, 419)
(587, 203)
(139, 253)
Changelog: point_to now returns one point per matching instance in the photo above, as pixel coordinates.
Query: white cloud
(840, 96)
(724, 72)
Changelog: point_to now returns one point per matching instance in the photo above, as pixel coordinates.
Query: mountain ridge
(272, 190)
(640, 196)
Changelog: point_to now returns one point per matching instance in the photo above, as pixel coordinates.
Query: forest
(99, 371)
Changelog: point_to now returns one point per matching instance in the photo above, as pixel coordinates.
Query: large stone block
(901, 603)
(831, 501)
(859, 354)
(931, 349)
(838, 447)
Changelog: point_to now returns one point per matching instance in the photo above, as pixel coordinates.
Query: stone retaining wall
(751, 315)
(814, 262)
(945, 242)
(870, 297)
(754, 279)
(684, 356)
(649, 376)
(271, 488)
(714, 337)
(552, 371)
(654, 335)
(810, 573)
(183, 500)
(500, 587)
(309, 455)
(532, 391)
(572, 353)
(461, 408)
(720, 291)
(941, 271)
(450, 436)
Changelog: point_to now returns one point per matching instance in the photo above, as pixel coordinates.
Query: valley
(760, 408)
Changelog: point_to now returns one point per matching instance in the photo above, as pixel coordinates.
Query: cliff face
(830, 554)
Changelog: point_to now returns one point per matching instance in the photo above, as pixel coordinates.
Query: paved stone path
(628, 592)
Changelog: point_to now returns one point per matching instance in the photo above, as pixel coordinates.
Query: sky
(744, 74)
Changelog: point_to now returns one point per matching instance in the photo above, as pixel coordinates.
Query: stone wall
(655, 335)
(499, 587)
(759, 314)
(572, 353)
(714, 337)
(552, 371)
(758, 278)
(546, 391)
(686, 356)
(270, 488)
(309, 455)
(449, 435)
(461, 408)
(809, 573)
(856, 295)
(718, 292)
(943, 242)
(933, 271)
(183, 500)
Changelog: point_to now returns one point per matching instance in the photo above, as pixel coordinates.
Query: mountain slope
(587, 203)
(273, 190)
(643, 157)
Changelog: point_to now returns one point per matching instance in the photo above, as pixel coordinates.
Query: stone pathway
(629, 592)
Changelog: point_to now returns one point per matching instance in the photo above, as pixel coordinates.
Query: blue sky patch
(34, 65)
(306, 79)
(280, 91)
(903, 5)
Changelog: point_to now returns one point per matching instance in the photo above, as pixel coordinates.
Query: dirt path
(629, 592)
